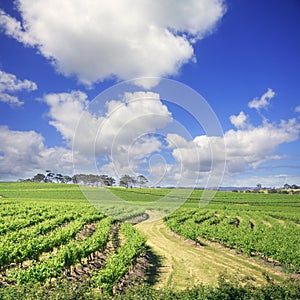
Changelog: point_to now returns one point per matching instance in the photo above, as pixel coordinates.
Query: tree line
(89, 179)
(285, 189)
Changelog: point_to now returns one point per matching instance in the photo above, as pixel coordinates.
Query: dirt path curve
(185, 264)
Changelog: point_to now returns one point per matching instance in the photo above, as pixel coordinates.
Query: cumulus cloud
(263, 101)
(121, 131)
(143, 147)
(24, 153)
(198, 154)
(15, 29)
(125, 119)
(239, 121)
(65, 109)
(297, 109)
(10, 84)
(134, 115)
(255, 145)
(126, 135)
(121, 137)
(115, 38)
(245, 148)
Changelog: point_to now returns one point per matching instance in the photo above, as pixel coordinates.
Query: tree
(92, 179)
(67, 179)
(59, 178)
(111, 181)
(141, 180)
(75, 179)
(272, 191)
(107, 180)
(127, 180)
(49, 176)
(39, 177)
(286, 186)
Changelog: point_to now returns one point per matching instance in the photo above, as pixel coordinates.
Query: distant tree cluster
(92, 179)
(286, 189)
(129, 181)
(50, 177)
(293, 186)
(89, 179)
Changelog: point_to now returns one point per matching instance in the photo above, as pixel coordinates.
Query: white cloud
(11, 100)
(14, 28)
(124, 120)
(122, 38)
(10, 84)
(297, 109)
(143, 147)
(65, 111)
(263, 101)
(123, 136)
(198, 155)
(255, 145)
(175, 140)
(24, 153)
(239, 121)
(245, 148)
(123, 133)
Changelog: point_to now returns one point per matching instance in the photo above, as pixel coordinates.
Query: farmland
(53, 239)
(254, 224)
(50, 231)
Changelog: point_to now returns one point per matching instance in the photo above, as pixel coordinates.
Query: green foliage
(118, 263)
(39, 223)
(127, 180)
(227, 289)
(253, 233)
(68, 255)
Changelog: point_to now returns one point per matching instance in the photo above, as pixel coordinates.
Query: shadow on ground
(154, 265)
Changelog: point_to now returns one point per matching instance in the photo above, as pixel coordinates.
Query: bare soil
(185, 263)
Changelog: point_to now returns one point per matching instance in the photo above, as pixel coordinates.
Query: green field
(55, 242)
(50, 231)
(266, 225)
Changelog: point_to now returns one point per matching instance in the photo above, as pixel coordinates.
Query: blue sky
(241, 56)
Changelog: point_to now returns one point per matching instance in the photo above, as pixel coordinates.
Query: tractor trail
(185, 264)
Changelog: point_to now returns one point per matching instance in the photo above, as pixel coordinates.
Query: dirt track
(185, 264)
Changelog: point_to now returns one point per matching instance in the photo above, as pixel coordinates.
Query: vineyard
(250, 233)
(54, 234)
(267, 226)
(52, 238)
